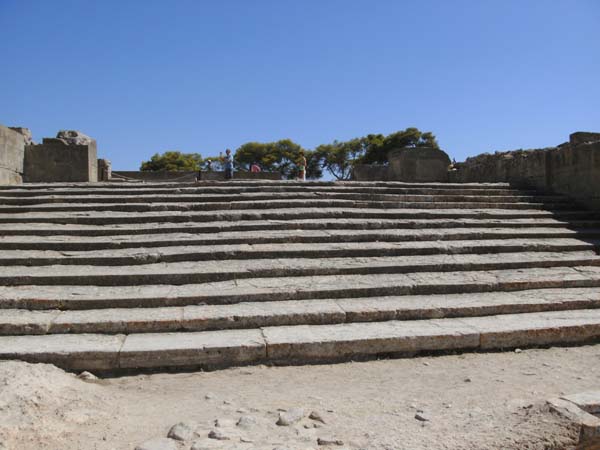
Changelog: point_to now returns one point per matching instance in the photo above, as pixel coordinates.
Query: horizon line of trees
(338, 158)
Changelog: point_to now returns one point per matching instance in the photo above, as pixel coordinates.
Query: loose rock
(314, 415)
(202, 445)
(290, 417)
(181, 432)
(225, 423)
(85, 375)
(329, 441)
(246, 422)
(72, 137)
(218, 435)
(422, 416)
(158, 444)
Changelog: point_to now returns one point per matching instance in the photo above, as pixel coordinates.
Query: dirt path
(472, 401)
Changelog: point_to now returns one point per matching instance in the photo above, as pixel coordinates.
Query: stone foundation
(572, 169)
(55, 160)
(418, 164)
(12, 147)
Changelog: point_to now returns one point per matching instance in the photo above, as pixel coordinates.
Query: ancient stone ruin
(407, 164)
(70, 157)
(130, 276)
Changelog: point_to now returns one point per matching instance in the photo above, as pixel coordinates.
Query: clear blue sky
(145, 76)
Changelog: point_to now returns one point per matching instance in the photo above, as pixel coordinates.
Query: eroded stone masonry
(127, 275)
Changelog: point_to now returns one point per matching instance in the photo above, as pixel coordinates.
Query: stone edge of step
(303, 344)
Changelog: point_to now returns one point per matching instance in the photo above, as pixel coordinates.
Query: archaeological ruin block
(12, 148)
(70, 157)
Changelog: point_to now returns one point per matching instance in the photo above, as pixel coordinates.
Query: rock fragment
(181, 432)
(87, 376)
(219, 435)
(315, 415)
(158, 444)
(290, 417)
(422, 416)
(246, 422)
(329, 441)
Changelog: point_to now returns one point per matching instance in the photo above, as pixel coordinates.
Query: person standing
(228, 163)
(302, 167)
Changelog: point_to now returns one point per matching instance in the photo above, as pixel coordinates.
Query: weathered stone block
(418, 164)
(12, 146)
(58, 160)
(370, 172)
(583, 137)
(104, 170)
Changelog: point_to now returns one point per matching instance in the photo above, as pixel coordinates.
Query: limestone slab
(535, 329)
(292, 288)
(209, 348)
(300, 312)
(330, 342)
(117, 320)
(588, 401)
(588, 425)
(20, 321)
(260, 314)
(72, 352)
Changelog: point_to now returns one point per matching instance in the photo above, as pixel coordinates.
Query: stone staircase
(117, 276)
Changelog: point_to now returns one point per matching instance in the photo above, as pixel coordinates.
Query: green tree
(338, 158)
(172, 161)
(280, 156)
(379, 146)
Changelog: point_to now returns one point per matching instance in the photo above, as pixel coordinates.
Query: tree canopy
(378, 146)
(338, 158)
(283, 156)
(172, 161)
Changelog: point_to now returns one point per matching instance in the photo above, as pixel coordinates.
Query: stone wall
(55, 160)
(12, 149)
(370, 172)
(188, 176)
(418, 164)
(572, 169)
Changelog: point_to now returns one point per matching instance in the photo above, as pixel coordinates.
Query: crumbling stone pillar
(70, 157)
(12, 149)
(104, 170)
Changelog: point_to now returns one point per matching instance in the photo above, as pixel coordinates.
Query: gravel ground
(470, 401)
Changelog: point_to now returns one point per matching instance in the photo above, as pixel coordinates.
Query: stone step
(303, 343)
(186, 198)
(279, 204)
(363, 225)
(109, 217)
(39, 297)
(45, 187)
(178, 273)
(127, 256)
(300, 312)
(254, 237)
(90, 192)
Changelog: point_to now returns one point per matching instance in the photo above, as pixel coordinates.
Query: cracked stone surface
(117, 276)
